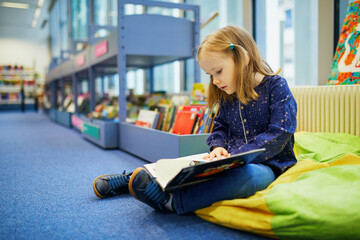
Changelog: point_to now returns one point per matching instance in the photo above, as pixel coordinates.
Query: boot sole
(131, 181)
(95, 190)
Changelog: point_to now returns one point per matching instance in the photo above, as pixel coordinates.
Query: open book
(179, 172)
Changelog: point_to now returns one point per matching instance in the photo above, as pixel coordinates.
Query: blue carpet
(46, 178)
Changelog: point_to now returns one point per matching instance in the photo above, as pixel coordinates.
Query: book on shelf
(168, 117)
(175, 173)
(67, 101)
(199, 93)
(208, 120)
(147, 118)
(203, 121)
(187, 119)
(175, 102)
(143, 124)
(184, 122)
(71, 108)
(161, 110)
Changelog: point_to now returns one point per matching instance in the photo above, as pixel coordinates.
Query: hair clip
(232, 46)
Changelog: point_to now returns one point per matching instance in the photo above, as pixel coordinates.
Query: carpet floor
(46, 178)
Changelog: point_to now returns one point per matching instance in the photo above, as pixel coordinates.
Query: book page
(164, 170)
(167, 169)
(150, 167)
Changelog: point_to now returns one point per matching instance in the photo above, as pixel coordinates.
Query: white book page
(164, 170)
(150, 167)
(167, 169)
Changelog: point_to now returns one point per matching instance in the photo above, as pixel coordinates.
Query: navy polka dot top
(269, 122)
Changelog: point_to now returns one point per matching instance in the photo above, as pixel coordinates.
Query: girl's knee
(261, 175)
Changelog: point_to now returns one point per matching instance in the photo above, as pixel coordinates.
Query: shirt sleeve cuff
(214, 144)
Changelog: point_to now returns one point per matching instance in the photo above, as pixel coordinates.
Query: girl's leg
(240, 182)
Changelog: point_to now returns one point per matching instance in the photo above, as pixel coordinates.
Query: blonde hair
(219, 42)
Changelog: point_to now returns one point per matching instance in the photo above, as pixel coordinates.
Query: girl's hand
(217, 152)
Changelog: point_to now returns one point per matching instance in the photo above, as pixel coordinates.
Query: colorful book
(199, 92)
(184, 122)
(175, 173)
(146, 118)
(203, 121)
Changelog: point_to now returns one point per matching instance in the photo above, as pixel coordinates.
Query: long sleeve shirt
(268, 122)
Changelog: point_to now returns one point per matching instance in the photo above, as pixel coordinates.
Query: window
(135, 81)
(54, 31)
(64, 35)
(79, 23)
(229, 13)
(105, 14)
(166, 76)
(286, 33)
(103, 88)
(340, 7)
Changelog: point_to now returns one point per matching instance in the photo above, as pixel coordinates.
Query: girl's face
(221, 68)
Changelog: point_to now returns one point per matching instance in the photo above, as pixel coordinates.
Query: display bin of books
(103, 133)
(64, 118)
(152, 145)
(53, 112)
(126, 50)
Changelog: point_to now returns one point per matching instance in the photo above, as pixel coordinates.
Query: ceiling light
(37, 13)
(40, 3)
(15, 5)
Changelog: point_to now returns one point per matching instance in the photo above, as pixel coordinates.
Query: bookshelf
(139, 41)
(13, 81)
(163, 39)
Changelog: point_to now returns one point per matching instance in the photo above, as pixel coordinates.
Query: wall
(25, 46)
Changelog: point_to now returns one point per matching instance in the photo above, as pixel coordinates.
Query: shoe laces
(155, 194)
(118, 182)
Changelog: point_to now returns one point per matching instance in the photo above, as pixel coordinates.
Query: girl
(256, 110)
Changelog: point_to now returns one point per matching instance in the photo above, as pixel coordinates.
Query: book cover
(184, 122)
(175, 173)
(172, 118)
(203, 121)
(146, 116)
(142, 124)
(345, 68)
(199, 92)
(161, 110)
(165, 115)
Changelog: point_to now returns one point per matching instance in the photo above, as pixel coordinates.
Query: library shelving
(64, 101)
(139, 41)
(146, 41)
(17, 88)
(59, 90)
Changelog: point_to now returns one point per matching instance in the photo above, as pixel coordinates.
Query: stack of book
(178, 119)
(180, 114)
(106, 108)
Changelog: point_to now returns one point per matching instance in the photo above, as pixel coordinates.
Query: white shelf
(10, 83)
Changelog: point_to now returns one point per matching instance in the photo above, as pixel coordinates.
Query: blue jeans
(240, 182)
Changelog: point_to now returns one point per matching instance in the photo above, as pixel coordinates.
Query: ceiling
(21, 18)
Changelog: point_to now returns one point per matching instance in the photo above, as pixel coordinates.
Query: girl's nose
(216, 81)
